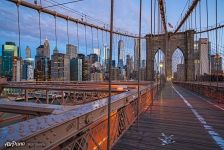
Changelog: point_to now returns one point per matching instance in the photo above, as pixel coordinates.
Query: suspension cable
(154, 17)
(77, 34)
(200, 53)
(92, 37)
(40, 27)
(85, 39)
(98, 44)
(97, 36)
(68, 32)
(110, 59)
(139, 57)
(216, 40)
(55, 31)
(151, 17)
(208, 42)
(19, 32)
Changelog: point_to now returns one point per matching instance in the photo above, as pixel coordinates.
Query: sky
(126, 17)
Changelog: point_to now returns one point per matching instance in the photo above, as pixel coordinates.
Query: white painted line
(216, 137)
(207, 101)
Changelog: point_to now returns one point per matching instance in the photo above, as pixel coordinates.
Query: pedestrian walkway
(178, 120)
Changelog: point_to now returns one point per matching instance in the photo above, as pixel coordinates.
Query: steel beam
(60, 15)
(191, 8)
(32, 108)
(163, 15)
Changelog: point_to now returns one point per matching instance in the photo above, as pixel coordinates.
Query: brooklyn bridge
(128, 77)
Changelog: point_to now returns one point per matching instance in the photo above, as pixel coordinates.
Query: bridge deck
(194, 122)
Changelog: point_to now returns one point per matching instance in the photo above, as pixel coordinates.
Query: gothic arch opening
(178, 65)
(159, 65)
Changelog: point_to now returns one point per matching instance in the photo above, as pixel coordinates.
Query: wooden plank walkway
(194, 122)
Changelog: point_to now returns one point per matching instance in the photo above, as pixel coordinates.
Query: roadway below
(179, 119)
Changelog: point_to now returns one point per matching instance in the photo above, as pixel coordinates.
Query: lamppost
(160, 69)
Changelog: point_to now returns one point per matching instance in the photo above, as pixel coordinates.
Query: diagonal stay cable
(58, 4)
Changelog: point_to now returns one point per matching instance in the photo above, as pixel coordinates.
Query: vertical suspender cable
(92, 37)
(151, 18)
(55, 31)
(154, 16)
(109, 98)
(201, 75)
(195, 21)
(98, 44)
(85, 38)
(216, 40)
(18, 19)
(67, 32)
(39, 27)
(77, 34)
(158, 25)
(208, 44)
(139, 59)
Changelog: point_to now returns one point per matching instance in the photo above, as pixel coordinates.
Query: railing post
(47, 98)
(26, 95)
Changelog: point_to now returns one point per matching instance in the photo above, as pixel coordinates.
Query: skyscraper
(28, 69)
(85, 67)
(28, 53)
(76, 69)
(121, 54)
(201, 53)
(71, 51)
(60, 67)
(92, 58)
(97, 52)
(204, 55)
(42, 62)
(129, 67)
(10, 56)
(216, 64)
(106, 56)
(42, 71)
(46, 48)
(136, 54)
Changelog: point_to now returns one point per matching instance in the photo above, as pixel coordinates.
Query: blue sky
(126, 17)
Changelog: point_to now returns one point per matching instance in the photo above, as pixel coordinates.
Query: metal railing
(83, 127)
(207, 89)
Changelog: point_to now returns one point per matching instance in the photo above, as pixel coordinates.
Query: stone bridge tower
(168, 43)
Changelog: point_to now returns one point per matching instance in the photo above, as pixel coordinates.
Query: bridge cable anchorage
(72, 19)
(192, 7)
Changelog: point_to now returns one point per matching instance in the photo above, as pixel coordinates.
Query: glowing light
(161, 65)
(120, 88)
